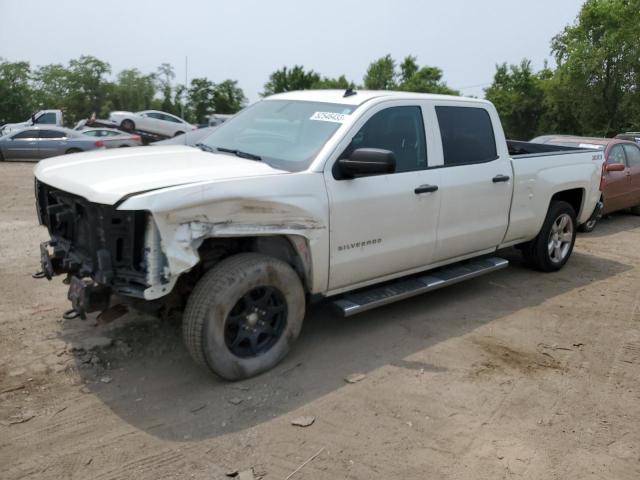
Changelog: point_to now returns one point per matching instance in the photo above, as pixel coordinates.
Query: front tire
(244, 315)
(552, 247)
(635, 210)
(589, 226)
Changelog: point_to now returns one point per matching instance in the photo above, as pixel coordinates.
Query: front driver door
(633, 159)
(616, 187)
(386, 224)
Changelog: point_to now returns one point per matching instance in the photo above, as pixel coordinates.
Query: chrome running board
(376, 296)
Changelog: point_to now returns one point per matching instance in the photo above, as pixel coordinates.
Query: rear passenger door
(475, 182)
(633, 160)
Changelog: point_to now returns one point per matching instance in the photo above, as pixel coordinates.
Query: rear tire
(634, 210)
(552, 247)
(73, 150)
(244, 315)
(128, 125)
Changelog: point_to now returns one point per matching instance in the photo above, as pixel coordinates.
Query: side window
(25, 134)
(47, 119)
(633, 155)
(51, 134)
(155, 115)
(467, 135)
(172, 119)
(616, 155)
(398, 129)
(91, 133)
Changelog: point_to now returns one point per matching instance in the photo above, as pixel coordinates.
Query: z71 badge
(362, 244)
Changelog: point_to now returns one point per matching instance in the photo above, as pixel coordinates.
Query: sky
(246, 40)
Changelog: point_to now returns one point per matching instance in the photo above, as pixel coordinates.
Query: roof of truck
(361, 96)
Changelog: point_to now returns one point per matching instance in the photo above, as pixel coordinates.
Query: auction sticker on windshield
(329, 117)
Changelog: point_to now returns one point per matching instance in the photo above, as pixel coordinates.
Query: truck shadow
(150, 381)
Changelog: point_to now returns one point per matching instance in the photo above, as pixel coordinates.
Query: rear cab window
(467, 135)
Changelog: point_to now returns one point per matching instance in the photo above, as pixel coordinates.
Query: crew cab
(363, 197)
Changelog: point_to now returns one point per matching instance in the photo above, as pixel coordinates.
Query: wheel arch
(573, 196)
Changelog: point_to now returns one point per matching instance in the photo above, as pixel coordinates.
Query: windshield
(286, 134)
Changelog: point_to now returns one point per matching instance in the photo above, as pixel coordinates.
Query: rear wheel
(635, 210)
(552, 247)
(244, 315)
(128, 125)
(73, 150)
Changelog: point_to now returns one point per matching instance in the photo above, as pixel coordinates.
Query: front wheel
(635, 210)
(589, 226)
(552, 247)
(244, 315)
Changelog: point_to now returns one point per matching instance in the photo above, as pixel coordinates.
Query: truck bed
(520, 149)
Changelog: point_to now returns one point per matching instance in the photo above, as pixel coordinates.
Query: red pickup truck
(620, 183)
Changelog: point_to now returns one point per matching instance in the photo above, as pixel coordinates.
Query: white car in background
(152, 121)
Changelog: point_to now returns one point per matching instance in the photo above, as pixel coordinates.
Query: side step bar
(376, 296)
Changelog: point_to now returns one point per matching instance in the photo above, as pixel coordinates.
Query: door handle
(426, 189)
(501, 178)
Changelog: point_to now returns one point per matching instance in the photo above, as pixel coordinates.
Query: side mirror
(615, 167)
(33, 119)
(367, 161)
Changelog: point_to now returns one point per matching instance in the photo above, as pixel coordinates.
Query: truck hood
(109, 175)
(10, 127)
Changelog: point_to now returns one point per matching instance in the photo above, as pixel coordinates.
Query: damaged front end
(102, 250)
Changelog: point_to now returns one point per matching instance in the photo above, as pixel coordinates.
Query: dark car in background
(36, 143)
(630, 136)
(620, 184)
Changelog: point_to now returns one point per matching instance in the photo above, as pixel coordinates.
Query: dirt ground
(514, 375)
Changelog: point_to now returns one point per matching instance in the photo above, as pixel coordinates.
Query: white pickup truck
(365, 197)
(43, 117)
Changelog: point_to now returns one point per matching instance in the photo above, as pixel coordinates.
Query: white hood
(108, 175)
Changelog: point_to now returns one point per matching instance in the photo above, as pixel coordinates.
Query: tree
(87, 87)
(228, 97)
(52, 86)
(201, 98)
(132, 90)
(598, 72)
(340, 83)
(519, 96)
(15, 91)
(381, 74)
(164, 78)
(287, 80)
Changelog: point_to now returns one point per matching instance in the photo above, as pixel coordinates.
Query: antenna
(349, 92)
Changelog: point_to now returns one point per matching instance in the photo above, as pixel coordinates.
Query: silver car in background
(36, 143)
(113, 138)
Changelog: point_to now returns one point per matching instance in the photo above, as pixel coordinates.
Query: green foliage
(132, 91)
(16, 92)
(599, 67)
(519, 96)
(382, 75)
(288, 80)
(340, 83)
(228, 97)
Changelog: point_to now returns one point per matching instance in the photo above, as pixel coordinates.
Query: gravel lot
(514, 375)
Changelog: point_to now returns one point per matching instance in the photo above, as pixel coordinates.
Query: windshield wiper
(205, 147)
(239, 153)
